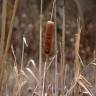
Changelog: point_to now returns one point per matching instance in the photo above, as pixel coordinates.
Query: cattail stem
(63, 55)
(40, 49)
(44, 76)
(53, 9)
(55, 47)
(4, 9)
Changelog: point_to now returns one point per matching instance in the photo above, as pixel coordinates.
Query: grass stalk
(76, 62)
(22, 55)
(40, 48)
(63, 55)
(80, 12)
(77, 44)
(4, 13)
(55, 45)
(10, 28)
(44, 76)
(7, 45)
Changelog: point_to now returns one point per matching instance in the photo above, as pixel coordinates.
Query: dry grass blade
(19, 81)
(4, 8)
(8, 40)
(44, 76)
(14, 56)
(32, 62)
(94, 64)
(80, 12)
(84, 83)
(24, 74)
(76, 62)
(22, 53)
(55, 45)
(54, 2)
(88, 91)
(4, 13)
(25, 42)
(40, 47)
(84, 80)
(49, 92)
(63, 54)
(71, 89)
(81, 60)
(32, 73)
(51, 62)
(10, 29)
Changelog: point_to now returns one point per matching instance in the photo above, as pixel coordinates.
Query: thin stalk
(8, 43)
(77, 44)
(76, 62)
(44, 76)
(14, 56)
(22, 55)
(80, 12)
(4, 8)
(40, 48)
(10, 29)
(54, 2)
(63, 55)
(48, 67)
(56, 63)
(3, 29)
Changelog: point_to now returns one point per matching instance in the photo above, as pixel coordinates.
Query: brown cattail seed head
(48, 36)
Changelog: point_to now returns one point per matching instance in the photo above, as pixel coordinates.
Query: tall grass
(76, 62)
(63, 54)
(56, 49)
(40, 46)
(27, 74)
(5, 52)
(4, 9)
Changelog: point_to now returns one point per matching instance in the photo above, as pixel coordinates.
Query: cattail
(48, 36)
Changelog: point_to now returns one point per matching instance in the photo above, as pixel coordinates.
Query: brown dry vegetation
(47, 61)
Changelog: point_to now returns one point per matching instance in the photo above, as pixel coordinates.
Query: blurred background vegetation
(27, 24)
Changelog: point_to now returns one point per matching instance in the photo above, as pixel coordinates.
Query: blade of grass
(32, 73)
(14, 56)
(38, 84)
(76, 62)
(44, 75)
(80, 13)
(4, 9)
(8, 43)
(63, 54)
(55, 45)
(54, 2)
(84, 83)
(40, 48)
(4, 13)
(10, 29)
(22, 57)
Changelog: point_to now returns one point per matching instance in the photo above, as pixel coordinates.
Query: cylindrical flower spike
(48, 36)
